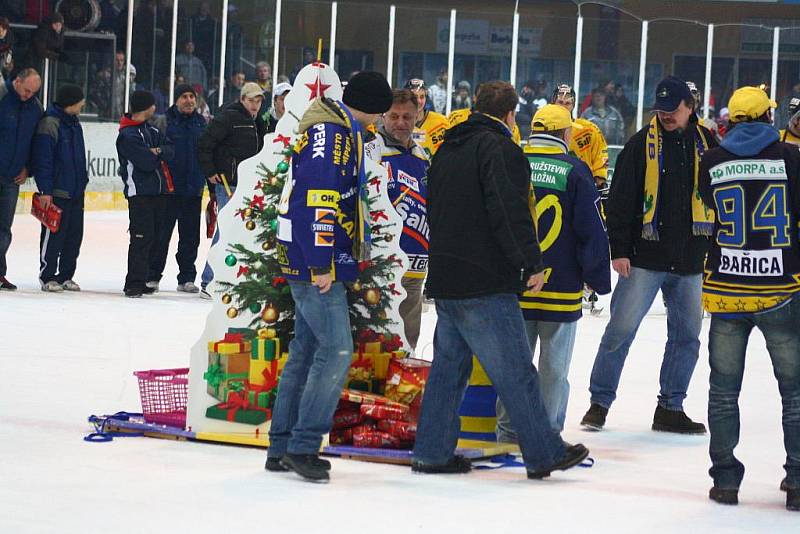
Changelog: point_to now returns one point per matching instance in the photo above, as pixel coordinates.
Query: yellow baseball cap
(749, 103)
(551, 118)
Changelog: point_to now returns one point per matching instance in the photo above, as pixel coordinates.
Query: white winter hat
(282, 88)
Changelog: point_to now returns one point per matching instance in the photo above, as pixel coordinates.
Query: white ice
(66, 356)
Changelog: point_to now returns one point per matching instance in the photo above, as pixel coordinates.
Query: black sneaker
(784, 485)
(595, 418)
(146, 290)
(456, 465)
(307, 466)
(133, 292)
(575, 455)
(793, 500)
(5, 285)
(675, 421)
(724, 496)
(274, 464)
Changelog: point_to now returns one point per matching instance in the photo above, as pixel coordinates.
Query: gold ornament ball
(250, 225)
(248, 212)
(382, 315)
(388, 238)
(266, 245)
(372, 296)
(273, 181)
(270, 314)
(232, 313)
(356, 286)
(226, 299)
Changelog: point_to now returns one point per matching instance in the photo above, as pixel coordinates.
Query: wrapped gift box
(230, 344)
(238, 409)
(405, 381)
(224, 369)
(265, 349)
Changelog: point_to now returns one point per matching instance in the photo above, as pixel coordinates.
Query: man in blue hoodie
(20, 112)
(59, 166)
(183, 125)
(143, 151)
(752, 280)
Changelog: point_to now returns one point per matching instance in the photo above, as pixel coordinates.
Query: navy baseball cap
(670, 92)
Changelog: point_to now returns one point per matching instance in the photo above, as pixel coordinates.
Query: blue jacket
(316, 229)
(18, 121)
(184, 131)
(571, 232)
(139, 167)
(59, 155)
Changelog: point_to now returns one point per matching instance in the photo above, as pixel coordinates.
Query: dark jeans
(493, 329)
(185, 210)
(58, 252)
(8, 204)
(727, 347)
(312, 381)
(146, 214)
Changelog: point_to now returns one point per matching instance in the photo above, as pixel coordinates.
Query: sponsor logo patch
(406, 179)
(324, 221)
(322, 198)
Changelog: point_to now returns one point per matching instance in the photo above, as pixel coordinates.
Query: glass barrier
(361, 38)
(197, 47)
(788, 85)
(303, 23)
(742, 56)
(610, 71)
(151, 44)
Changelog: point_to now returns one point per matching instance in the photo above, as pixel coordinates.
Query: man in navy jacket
(59, 166)
(20, 112)
(142, 151)
(183, 125)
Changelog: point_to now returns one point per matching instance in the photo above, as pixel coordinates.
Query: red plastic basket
(164, 394)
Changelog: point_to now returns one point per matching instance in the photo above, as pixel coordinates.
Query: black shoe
(575, 455)
(149, 290)
(133, 293)
(307, 466)
(595, 418)
(675, 421)
(456, 465)
(724, 496)
(6, 285)
(274, 464)
(784, 485)
(793, 500)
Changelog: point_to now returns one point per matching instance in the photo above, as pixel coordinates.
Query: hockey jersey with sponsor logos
(752, 182)
(571, 232)
(589, 146)
(788, 137)
(408, 192)
(430, 134)
(317, 214)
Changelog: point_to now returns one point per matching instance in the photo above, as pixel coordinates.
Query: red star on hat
(317, 88)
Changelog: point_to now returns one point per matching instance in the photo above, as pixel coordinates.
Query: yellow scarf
(702, 217)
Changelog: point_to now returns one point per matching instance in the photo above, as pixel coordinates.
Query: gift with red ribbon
(231, 343)
(238, 409)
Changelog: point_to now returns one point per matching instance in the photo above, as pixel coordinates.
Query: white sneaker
(205, 295)
(52, 287)
(70, 285)
(153, 285)
(188, 287)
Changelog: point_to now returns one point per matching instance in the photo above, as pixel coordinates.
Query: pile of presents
(379, 405)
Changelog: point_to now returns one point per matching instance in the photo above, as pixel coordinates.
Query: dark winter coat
(18, 122)
(184, 131)
(482, 238)
(677, 249)
(46, 44)
(140, 168)
(230, 138)
(59, 155)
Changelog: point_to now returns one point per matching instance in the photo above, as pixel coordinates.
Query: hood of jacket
(58, 112)
(127, 122)
(749, 138)
(476, 121)
(321, 110)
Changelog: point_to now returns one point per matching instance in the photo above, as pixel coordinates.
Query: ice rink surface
(66, 356)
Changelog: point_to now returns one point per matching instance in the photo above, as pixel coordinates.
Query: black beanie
(184, 88)
(68, 95)
(368, 92)
(142, 100)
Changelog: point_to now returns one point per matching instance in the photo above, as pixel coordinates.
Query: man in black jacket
(235, 134)
(483, 253)
(658, 228)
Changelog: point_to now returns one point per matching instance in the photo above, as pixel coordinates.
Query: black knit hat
(68, 95)
(141, 100)
(184, 88)
(368, 92)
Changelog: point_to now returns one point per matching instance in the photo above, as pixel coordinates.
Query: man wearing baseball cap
(658, 229)
(751, 182)
(791, 134)
(322, 235)
(574, 247)
(275, 113)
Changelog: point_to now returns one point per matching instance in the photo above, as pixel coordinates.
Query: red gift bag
(167, 177)
(50, 217)
(211, 217)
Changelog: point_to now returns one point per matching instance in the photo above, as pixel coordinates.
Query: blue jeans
(493, 329)
(630, 302)
(8, 205)
(312, 381)
(558, 340)
(727, 346)
(222, 200)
